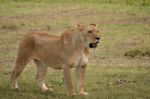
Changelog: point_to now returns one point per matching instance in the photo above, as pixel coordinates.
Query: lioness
(59, 52)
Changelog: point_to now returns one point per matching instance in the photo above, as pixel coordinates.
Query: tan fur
(59, 52)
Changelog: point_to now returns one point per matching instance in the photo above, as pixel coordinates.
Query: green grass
(110, 75)
(104, 83)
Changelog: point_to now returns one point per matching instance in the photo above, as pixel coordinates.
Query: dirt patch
(129, 21)
(50, 13)
(130, 43)
(135, 20)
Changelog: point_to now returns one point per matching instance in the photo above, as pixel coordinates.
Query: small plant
(9, 27)
(110, 1)
(49, 27)
(146, 52)
(143, 2)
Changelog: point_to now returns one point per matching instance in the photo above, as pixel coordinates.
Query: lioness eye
(89, 31)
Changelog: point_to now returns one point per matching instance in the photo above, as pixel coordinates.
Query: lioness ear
(80, 27)
(93, 25)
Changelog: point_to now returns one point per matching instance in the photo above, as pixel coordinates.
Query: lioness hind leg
(19, 66)
(41, 72)
(24, 56)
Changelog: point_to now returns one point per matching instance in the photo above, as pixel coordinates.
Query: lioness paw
(51, 89)
(47, 89)
(83, 93)
(14, 86)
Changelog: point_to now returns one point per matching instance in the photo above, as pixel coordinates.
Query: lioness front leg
(80, 77)
(67, 77)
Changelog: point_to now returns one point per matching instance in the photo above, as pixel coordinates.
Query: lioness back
(43, 47)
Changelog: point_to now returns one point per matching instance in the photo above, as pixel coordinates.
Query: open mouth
(93, 45)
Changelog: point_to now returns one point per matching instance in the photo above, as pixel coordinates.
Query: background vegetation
(126, 2)
(118, 68)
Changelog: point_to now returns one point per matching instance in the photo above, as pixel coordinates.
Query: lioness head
(91, 34)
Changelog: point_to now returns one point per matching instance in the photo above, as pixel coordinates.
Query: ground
(118, 69)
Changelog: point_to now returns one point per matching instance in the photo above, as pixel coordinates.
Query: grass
(110, 75)
(104, 82)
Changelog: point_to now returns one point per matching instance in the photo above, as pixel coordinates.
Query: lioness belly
(49, 60)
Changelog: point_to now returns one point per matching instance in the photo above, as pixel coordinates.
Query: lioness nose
(98, 38)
